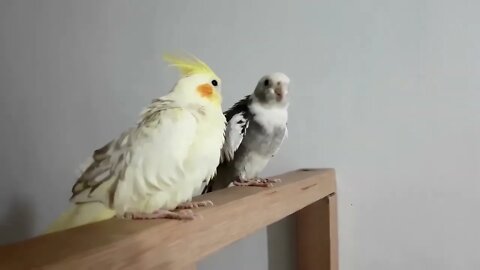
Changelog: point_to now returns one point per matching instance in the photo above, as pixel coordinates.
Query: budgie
(256, 128)
(151, 170)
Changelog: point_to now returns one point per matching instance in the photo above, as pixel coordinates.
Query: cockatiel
(151, 171)
(256, 127)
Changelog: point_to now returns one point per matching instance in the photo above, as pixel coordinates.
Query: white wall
(387, 92)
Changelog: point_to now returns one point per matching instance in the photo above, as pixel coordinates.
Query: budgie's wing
(172, 124)
(285, 135)
(238, 118)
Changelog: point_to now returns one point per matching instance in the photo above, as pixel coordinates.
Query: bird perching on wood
(256, 128)
(151, 170)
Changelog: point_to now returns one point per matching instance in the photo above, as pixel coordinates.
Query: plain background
(387, 92)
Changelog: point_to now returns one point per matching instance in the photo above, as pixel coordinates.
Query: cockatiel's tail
(156, 166)
(81, 214)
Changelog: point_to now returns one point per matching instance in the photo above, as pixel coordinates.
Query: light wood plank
(317, 235)
(187, 267)
(170, 244)
(333, 221)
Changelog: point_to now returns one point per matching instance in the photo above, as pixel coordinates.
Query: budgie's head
(198, 84)
(272, 90)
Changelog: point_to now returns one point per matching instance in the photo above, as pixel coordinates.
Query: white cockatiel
(151, 170)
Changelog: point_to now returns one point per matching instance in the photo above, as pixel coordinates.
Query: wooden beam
(171, 244)
(188, 267)
(317, 235)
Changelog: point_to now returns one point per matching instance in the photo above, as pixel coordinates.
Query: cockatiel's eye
(266, 82)
(214, 83)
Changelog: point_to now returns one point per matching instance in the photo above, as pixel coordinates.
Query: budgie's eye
(266, 82)
(214, 83)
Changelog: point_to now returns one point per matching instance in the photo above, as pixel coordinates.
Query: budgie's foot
(190, 205)
(257, 182)
(161, 213)
(269, 180)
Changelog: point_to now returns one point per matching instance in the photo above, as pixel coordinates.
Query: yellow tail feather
(81, 214)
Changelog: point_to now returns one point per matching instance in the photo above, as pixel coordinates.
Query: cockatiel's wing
(104, 163)
(238, 118)
(107, 169)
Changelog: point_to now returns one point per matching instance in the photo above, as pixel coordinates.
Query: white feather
(178, 155)
(268, 117)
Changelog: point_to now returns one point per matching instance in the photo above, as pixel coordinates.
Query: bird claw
(270, 180)
(251, 183)
(182, 212)
(190, 205)
(257, 182)
(185, 214)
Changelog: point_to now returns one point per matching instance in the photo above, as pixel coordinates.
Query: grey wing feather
(238, 119)
(234, 134)
(235, 131)
(109, 163)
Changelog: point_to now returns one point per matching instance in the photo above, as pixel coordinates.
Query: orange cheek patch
(205, 90)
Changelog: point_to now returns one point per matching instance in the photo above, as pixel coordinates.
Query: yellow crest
(189, 66)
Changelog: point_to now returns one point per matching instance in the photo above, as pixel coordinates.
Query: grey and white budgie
(256, 128)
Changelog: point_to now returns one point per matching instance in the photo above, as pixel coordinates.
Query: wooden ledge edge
(124, 244)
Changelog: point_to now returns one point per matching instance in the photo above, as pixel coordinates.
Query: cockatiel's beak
(206, 90)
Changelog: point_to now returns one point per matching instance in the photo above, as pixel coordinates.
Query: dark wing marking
(238, 118)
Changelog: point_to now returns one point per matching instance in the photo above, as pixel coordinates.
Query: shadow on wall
(281, 244)
(18, 221)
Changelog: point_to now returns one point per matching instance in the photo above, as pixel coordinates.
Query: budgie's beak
(280, 92)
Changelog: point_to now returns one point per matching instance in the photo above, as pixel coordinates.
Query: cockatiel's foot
(257, 182)
(191, 205)
(250, 183)
(161, 213)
